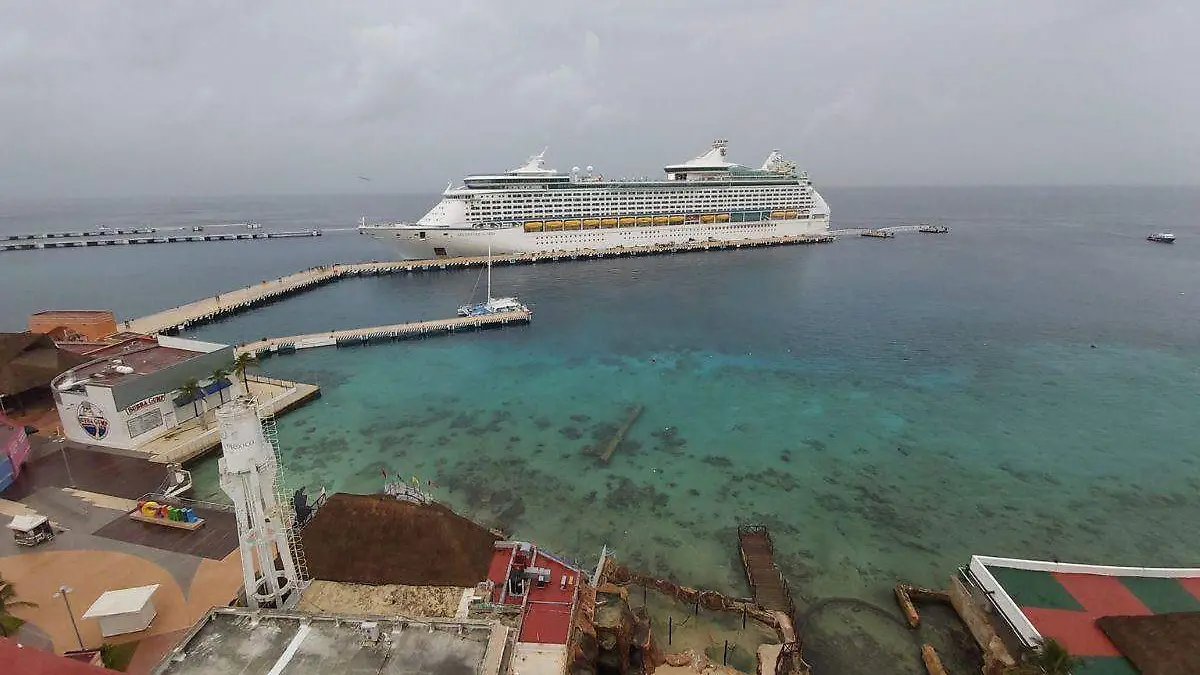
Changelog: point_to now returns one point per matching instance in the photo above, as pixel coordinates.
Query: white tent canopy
(25, 523)
(127, 610)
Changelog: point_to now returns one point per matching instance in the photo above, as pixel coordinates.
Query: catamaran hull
(419, 243)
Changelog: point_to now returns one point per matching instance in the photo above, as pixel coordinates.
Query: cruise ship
(533, 208)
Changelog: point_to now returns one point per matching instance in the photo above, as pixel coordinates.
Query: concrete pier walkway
(55, 240)
(208, 309)
(375, 334)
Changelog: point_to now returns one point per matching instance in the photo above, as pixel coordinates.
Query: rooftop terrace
(1076, 605)
(245, 642)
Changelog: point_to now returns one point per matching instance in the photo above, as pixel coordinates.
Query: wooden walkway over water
(232, 302)
(769, 587)
(378, 334)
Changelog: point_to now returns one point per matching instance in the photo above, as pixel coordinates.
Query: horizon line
(418, 193)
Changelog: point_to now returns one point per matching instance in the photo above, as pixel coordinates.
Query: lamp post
(62, 591)
(62, 446)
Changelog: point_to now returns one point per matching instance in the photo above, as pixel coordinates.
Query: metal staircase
(283, 498)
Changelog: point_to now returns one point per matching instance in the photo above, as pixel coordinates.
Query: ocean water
(1024, 386)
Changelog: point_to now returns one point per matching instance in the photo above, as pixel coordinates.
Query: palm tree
(1049, 657)
(218, 375)
(9, 623)
(243, 361)
(191, 389)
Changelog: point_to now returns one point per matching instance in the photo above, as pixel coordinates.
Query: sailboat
(493, 305)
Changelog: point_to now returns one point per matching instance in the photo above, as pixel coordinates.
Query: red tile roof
(30, 661)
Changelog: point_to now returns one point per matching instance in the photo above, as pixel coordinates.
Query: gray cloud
(176, 97)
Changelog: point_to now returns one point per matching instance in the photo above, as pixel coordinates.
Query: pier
(72, 240)
(767, 584)
(883, 232)
(232, 302)
(202, 311)
(102, 232)
(378, 334)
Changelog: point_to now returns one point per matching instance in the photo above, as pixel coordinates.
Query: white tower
(250, 475)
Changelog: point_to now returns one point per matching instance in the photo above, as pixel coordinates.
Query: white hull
(413, 242)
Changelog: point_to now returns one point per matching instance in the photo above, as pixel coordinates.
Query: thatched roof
(29, 360)
(376, 539)
(1161, 644)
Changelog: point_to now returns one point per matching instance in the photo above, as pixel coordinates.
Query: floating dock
(767, 584)
(379, 334)
(37, 244)
(104, 232)
(233, 302)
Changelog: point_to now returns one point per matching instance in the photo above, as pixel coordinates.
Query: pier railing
(754, 572)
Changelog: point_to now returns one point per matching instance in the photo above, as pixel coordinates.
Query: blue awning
(215, 386)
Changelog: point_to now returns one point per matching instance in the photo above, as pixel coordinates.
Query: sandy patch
(357, 599)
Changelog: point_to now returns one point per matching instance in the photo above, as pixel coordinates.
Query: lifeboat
(778, 215)
(627, 222)
(708, 219)
(552, 225)
(608, 222)
(644, 220)
(533, 226)
(789, 214)
(591, 223)
(660, 220)
(674, 220)
(571, 224)
(722, 217)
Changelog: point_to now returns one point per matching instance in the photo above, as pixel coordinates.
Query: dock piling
(634, 414)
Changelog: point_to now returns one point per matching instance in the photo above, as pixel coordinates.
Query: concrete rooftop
(249, 642)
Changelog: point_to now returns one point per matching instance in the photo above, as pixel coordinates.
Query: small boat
(197, 228)
(1162, 238)
(879, 234)
(933, 229)
(493, 305)
(253, 225)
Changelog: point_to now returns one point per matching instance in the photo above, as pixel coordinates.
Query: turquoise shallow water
(1024, 386)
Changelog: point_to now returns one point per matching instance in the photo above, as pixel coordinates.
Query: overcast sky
(292, 96)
